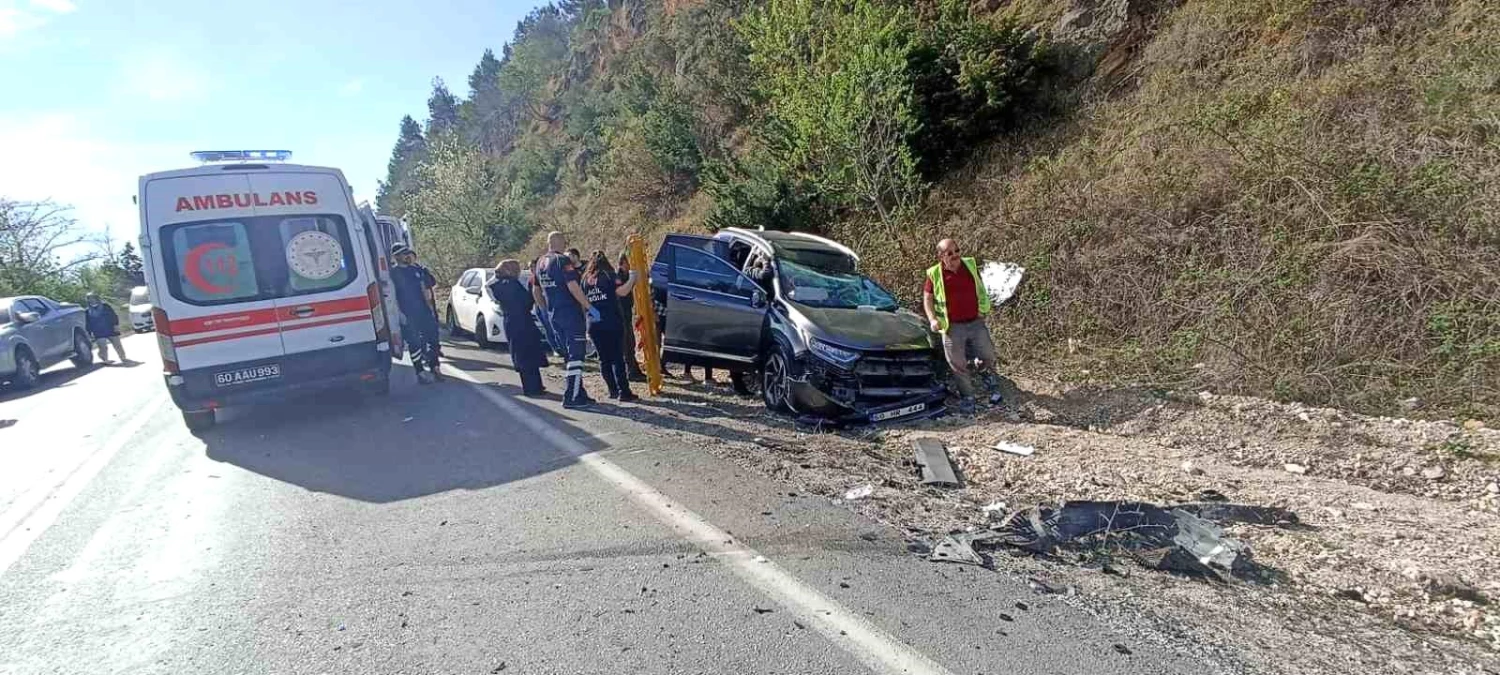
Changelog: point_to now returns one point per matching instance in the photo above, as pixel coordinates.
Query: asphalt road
(460, 529)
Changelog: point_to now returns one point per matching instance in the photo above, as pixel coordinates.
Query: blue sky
(94, 93)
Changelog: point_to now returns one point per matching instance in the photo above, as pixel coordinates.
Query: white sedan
(472, 310)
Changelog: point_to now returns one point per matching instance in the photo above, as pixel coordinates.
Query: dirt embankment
(1394, 568)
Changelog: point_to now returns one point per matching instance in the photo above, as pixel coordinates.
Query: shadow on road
(56, 378)
(421, 440)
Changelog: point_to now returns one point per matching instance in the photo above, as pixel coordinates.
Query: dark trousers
(531, 381)
(627, 323)
(571, 331)
(611, 346)
(551, 335)
(421, 338)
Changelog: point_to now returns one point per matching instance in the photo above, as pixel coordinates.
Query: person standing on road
(103, 326)
(419, 322)
(570, 312)
(604, 292)
(526, 352)
(539, 304)
(627, 318)
(956, 303)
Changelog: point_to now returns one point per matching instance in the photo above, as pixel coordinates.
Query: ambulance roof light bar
(207, 156)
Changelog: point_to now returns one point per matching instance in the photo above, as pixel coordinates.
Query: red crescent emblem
(193, 268)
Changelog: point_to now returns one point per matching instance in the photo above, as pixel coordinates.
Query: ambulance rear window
(249, 259)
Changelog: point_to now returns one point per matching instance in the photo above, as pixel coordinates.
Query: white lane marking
(24, 523)
(877, 649)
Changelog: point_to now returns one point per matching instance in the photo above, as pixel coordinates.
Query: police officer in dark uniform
(419, 325)
(570, 312)
(526, 352)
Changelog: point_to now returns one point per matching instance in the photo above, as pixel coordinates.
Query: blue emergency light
(242, 155)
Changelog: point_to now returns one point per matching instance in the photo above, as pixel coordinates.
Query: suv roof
(775, 239)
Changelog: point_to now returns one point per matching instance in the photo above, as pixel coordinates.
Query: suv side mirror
(28, 317)
(758, 298)
(472, 291)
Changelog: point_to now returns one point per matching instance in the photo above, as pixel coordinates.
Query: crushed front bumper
(881, 387)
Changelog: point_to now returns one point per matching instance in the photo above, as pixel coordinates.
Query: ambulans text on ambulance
(245, 200)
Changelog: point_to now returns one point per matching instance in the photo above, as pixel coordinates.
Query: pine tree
(442, 109)
(130, 263)
(410, 149)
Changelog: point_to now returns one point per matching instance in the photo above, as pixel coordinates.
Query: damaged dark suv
(790, 315)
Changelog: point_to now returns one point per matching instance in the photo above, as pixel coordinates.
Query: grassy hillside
(1290, 198)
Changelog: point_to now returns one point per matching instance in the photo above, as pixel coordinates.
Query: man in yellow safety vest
(956, 303)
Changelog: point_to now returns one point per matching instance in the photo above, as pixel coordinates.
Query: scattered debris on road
(1014, 448)
(860, 492)
(937, 466)
(1181, 538)
(957, 549)
(1361, 491)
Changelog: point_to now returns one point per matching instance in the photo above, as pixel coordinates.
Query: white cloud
(58, 6)
(15, 20)
(352, 87)
(162, 76)
(57, 156)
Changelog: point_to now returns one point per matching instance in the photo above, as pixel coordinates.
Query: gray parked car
(36, 333)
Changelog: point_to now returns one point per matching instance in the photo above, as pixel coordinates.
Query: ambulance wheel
(481, 332)
(198, 420)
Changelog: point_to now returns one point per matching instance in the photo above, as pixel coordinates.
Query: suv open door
(715, 314)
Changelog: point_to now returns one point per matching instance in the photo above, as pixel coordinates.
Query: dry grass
(1289, 198)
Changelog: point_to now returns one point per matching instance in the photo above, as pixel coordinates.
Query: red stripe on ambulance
(262, 317)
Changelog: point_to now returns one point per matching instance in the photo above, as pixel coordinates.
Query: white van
(140, 309)
(264, 281)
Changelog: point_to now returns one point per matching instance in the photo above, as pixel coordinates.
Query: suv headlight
(833, 354)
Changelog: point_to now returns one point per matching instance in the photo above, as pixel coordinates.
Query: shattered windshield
(832, 288)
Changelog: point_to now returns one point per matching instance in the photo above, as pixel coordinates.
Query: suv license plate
(230, 378)
(899, 412)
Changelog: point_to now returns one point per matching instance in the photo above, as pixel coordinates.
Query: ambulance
(266, 281)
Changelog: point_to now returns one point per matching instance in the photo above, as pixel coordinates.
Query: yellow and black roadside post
(649, 340)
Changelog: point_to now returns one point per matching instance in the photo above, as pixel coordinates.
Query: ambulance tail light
(377, 315)
(163, 325)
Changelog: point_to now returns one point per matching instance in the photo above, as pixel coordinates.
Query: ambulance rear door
(209, 283)
(325, 300)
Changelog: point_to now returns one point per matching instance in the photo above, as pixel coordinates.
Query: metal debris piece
(1184, 538)
(860, 492)
(1014, 448)
(1295, 468)
(937, 467)
(955, 550)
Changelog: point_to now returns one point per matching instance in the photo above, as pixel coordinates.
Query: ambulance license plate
(899, 412)
(230, 378)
